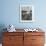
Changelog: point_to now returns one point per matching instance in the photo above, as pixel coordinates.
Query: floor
(0, 44)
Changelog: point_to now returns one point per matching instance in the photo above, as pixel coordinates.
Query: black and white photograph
(26, 13)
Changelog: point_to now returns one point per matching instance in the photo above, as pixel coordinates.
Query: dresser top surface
(22, 30)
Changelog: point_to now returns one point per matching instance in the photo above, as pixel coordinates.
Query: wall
(10, 13)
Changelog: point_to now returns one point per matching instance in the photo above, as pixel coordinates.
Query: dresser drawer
(13, 44)
(37, 44)
(12, 39)
(37, 39)
(13, 33)
(34, 33)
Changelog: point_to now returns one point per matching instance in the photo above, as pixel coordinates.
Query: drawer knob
(11, 38)
(33, 39)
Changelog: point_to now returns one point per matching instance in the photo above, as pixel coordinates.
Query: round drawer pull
(33, 39)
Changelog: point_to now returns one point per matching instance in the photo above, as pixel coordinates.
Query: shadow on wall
(2, 26)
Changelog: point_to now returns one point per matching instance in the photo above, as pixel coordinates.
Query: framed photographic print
(26, 13)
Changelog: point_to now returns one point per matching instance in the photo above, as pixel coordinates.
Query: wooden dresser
(23, 38)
